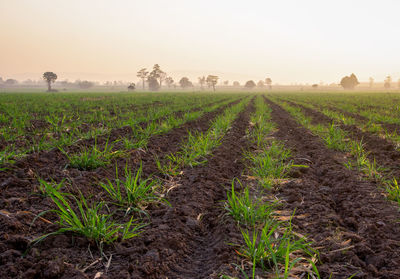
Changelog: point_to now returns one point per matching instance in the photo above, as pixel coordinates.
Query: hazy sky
(288, 40)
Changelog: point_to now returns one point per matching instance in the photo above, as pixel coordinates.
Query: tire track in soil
(189, 239)
(382, 150)
(16, 197)
(338, 210)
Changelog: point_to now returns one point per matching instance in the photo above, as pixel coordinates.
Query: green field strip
(198, 146)
(269, 242)
(337, 139)
(9, 154)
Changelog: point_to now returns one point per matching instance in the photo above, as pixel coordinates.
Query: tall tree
(142, 74)
(49, 77)
(132, 86)
(155, 77)
(162, 77)
(202, 81)
(268, 82)
(169, 81)
(212, 81)
(260, 84)
(153, 83)
(85, 84)
(185, 82)
(387, 82)
(250, 84)
(349, 82)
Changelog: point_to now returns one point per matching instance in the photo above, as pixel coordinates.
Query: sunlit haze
(289, 41)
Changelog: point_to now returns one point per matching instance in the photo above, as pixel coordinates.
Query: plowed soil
(349, 221)
(184, 240)
(381, 150)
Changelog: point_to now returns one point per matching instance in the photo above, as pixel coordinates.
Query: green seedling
(87, 220)
(245, 210)
(131, 191)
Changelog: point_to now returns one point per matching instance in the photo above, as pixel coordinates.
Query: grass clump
(91, 158)
(131, 190)
(87, 220)
(393, 190)
(245, 210)
(335, 138)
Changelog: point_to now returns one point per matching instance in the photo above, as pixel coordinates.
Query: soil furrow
(379, 149)
(17, 199)
(353, 226)
(189, 239)
(388, 126)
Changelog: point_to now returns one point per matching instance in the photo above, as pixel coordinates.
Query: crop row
(61, 133)
(359, 158)
(269, 244)
(120, 214)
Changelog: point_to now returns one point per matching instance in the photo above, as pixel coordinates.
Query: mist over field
(199, 139)
(291, 42)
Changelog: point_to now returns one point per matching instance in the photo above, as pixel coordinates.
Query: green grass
(68, 118)
(272, 248)
(91, 158)
(267, 243)
(393, 190)
(198, 146)
(87, 220)
(270, 163)
(131, 190)
(336, 138)
(246, 210)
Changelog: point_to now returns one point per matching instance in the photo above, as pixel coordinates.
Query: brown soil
(381, 150)
(355, 229)
(178, 243)
(388, 126)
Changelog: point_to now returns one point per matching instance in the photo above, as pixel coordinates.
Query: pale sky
(287, 40)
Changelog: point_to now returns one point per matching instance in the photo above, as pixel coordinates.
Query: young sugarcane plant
(131, 191)
(87, 220)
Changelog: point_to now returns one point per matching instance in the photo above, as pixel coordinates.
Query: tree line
(153, 80)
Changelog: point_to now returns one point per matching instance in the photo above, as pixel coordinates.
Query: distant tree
(398, 83)
(260, 84)
(202, 81)
(85, 84)
(162, 77)
(185, 82)
(11, 81)
(153, 83)
(169, 81)
(236, 84)
(158, 75)
(226, 82)
(371, 82)
(268, 82)
(132, 87)
(349, 82)
(142, 74)
(212, 81)
(49, 77)
(250, 84)
(314, 86)
(1, 80)
(65, 83)
(387, 82)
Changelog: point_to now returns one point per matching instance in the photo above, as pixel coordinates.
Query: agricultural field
(200, 185)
